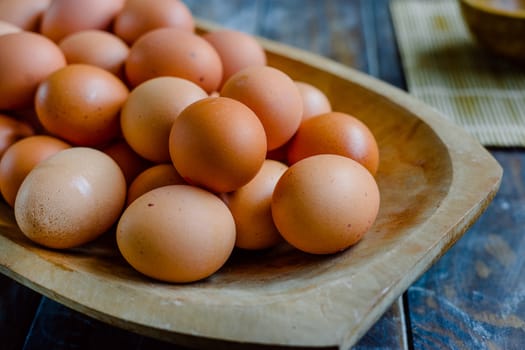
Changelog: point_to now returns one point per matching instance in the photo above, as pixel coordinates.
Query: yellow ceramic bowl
(498, 25)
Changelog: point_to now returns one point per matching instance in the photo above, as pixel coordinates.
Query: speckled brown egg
(174, 52)
(176, 233)
(217, 143)
(325, 203)
(81, 104)
(70, 198)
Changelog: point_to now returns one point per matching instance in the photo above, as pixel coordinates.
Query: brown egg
(250, 207)
(315, 102)
(96, 47)
(157, 176)
(25, 14)
(149, 112)
(21, 70)
(139, 16)
(237, 50)
(335, 133)
(324, 204)
(81, 104)
(274, 98)
(6, 28)
(64, 17)
(12, 130)
(70, 198)
(176, 233)
(21, 158)
(217, 143)
(129, 161)
(174, 52)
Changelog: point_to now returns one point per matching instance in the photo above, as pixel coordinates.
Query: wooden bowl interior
(414, 176)
(509, 8)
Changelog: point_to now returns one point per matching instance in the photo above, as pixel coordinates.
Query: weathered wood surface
(474, 296)
(484, 268)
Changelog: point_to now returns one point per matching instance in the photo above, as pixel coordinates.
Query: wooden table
(472, 298)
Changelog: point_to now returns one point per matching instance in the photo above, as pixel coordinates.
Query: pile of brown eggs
(116, 113)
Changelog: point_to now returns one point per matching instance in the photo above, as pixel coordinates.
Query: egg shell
(176, 233)
(131, 163)
(154, 177)
(174, 52)
(25, 14)
(96, 47)
(64, 17)
(217, 143)
(237, 50)
(21, 157)
(335, 133)
(81, 104)
(6, 28)
(70, 198)
(325, 203)
(315, 101)
(274, 98)
(21, 71)
(12, 130)
(139, 17)
(250, 207)
(150, 110)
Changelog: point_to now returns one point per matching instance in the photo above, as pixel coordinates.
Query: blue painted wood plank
(17, 308)
(474, 296)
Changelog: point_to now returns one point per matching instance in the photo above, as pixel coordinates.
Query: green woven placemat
(446, 69)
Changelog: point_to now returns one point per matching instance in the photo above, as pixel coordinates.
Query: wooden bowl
(498, 25)
(434, 180)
